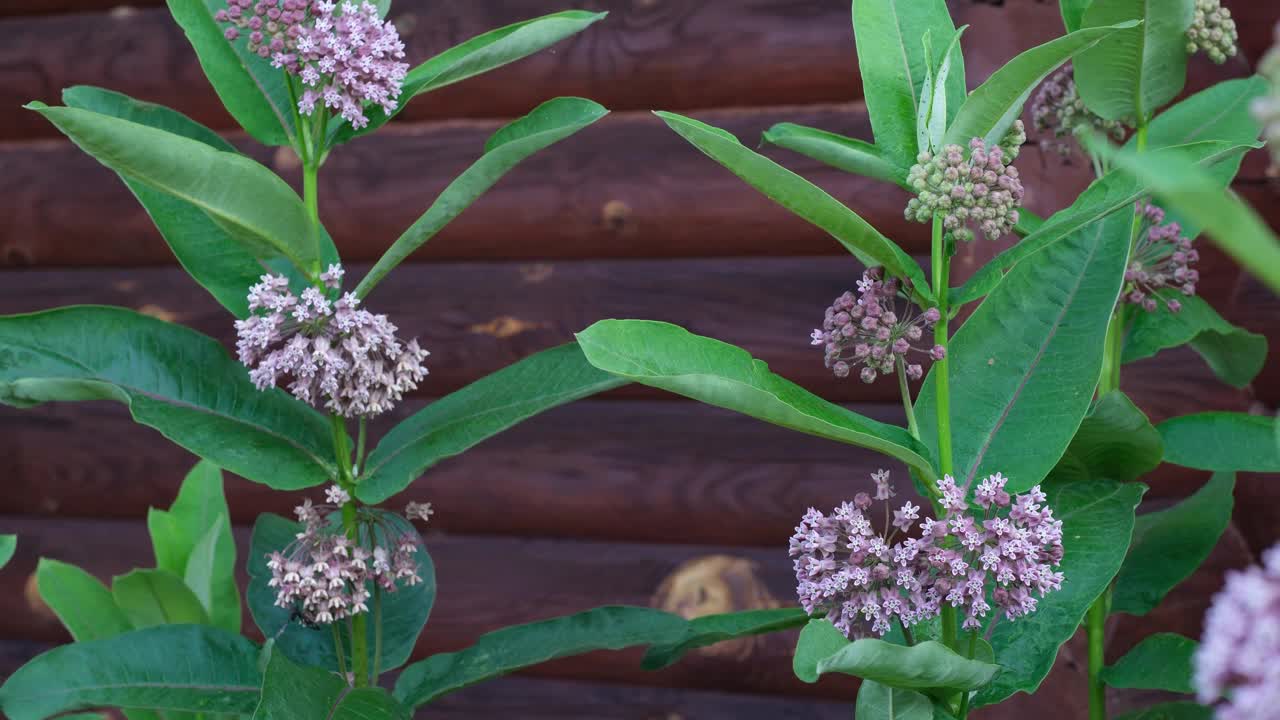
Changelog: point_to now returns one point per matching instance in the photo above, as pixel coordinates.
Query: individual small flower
(1238, 661)
(1161, 259)
(1266, 109)
(336, 495)
(1058, 109)
(332, 353)
(1213, 31)
(980, 189)
(419, 511)
(864, 330)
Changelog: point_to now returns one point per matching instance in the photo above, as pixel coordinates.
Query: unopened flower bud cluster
(1058, 109)
(1162, 259)
(980, 188)
(865, 331)
(1213, 31)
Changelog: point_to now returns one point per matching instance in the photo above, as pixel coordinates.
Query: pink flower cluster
(1239, 655)
(336, 353)
(345, 55)
(982, 190)
(1162, 258)
(1058, 108)
(865, 581)
(325, 574)
(866, 331)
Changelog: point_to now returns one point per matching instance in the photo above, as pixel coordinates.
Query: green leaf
(803, 198)
(1073, 13)
(1024, 366)
(253, 205)
(929, 664)
(711, 629)
(193, 540)
(891, 58)
(255, 93)
(512, 648)
(157, 597)
(547, 124)
(1220, 112)
(462, 419)
(1222, 442)
(404, 612)
(1160, 662)
(8, 545)
(297, 692)
(856, 156)
(1234, 354)
(1134, 72)
(881, 702)
(480, 54)
(992, 108)
(1097, 522)
(190, 668)
(1115, 441)
(818, 641)
(1171, 711)
(102, 353)
(206, 251)
(932, 115)
(669, 357)
(83, 605)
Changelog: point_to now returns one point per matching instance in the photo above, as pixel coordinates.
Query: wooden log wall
(601, 501)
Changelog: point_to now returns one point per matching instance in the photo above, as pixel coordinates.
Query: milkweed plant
(1025, 453)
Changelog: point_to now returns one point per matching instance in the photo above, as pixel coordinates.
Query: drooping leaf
(669, 357)
(297, 692)
(992, 108)
(803, 198)
(404, 612)
(1171, 711)
(1097, 523)
(818, 641)
(1234, 354)
(1132, 73)
(480, 54)
(103, 353)
(256, 94)
(929, 664)
(1115, 441)
(171, 668)
(477, 412)
(881, 702)
(512, 648)
(711, 629)
(851, 155)
(545, 125)
(8, 545)
(1222, 442)
(1023, 368)
(892, 61)
(83, 605)
(1160, 662)
(157, 597)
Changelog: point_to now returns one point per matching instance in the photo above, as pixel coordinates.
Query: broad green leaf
(856, 156)
(157, 597)
(547, 124)
(803, 198)
(480, 54)
(83, 605)
(1234, 354)
(1024, 366)
(192, 539)
(1115, 441)
(881, 702)
(892, 61)
(1097, 522)
(1171, 711)
(404, 612)
(1073, 13)
(929, 664)
(462, 419)
(1115, 191)
(253, 205)
(1222, 442)
(206, 251)
(818, 641)
(669, 357)
(256, 94)
(297, 692)
(1132, 73)
(711, 629)
(1160, 662)
(512, 648)
(102, 353)
(190, 668)
(1170, 544)
(8, 545)
(992, 108)
(1221, 112)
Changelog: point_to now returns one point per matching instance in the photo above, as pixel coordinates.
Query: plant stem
(906, 633)
(942, 386)
(377, 633)
(906, 400)
(341, 650)
(1097, 619)
(360, 444)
